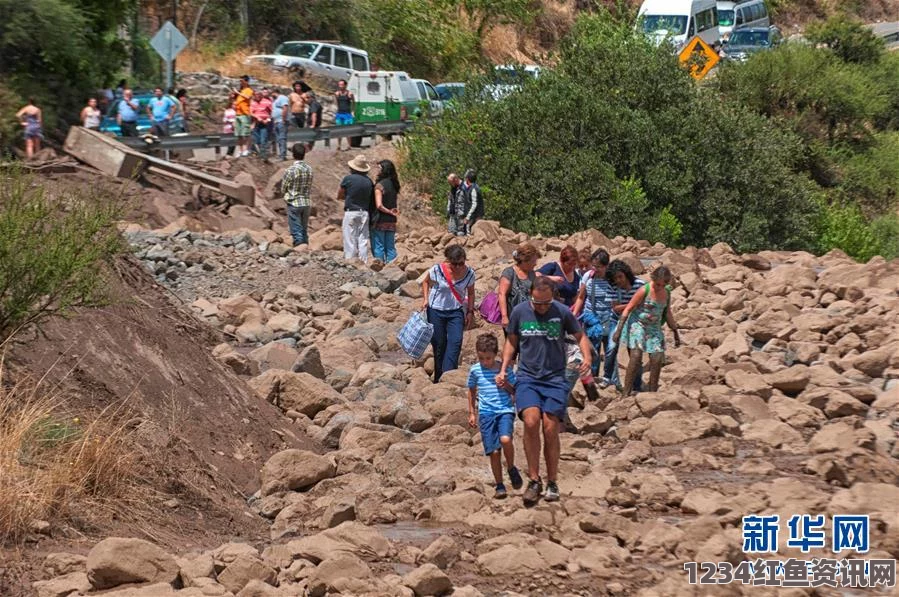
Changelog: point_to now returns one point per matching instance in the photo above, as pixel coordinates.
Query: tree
(849, 39)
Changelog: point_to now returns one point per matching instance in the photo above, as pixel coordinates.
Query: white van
(751, 14)
(324, 59)
(384, 96)
(680, 20)
(725, 18)
(427, 93)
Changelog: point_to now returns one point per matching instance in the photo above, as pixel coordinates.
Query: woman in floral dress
(641, 328)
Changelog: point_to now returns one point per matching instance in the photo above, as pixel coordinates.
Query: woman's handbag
(489, 308)
(415, 336)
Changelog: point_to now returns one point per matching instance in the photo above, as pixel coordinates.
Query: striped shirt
(441, 297)
(492, 400)
(297, 185)
(625, 296)
(599, 295)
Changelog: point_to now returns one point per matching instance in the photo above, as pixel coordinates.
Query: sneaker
(500, 492)
(604, 383)
(245, 154)
(515, 478)
(552, 492)
(532, 493)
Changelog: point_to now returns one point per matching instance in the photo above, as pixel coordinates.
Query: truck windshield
(675, 24)
(301, 50)
(725, 18)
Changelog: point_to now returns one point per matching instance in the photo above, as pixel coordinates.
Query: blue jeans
(260, 140)
(383, 244)
(447, 339)
(298, 223)
(281, 138)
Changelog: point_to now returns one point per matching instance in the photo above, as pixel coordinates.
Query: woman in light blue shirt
(448, 297)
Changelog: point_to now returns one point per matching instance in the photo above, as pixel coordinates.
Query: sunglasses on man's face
(541, 303)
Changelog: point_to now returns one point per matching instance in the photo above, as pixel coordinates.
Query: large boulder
(295, 391)
(240, 309)
(428, 579)
(244, 569)
(295, 470)
(274, 355)
(118, 560)
(674, 427)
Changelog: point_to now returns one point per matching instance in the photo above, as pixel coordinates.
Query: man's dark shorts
(550, 396)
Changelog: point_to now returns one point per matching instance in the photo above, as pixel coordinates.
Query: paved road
(888, 31)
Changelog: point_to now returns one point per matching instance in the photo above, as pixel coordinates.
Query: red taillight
(403, 113)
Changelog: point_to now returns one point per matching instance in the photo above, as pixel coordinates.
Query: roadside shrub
(844, 227)
(52, 461)
(52, 249)
(594, 144)
(848, 38)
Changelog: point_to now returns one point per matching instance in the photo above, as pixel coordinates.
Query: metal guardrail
(176, 142)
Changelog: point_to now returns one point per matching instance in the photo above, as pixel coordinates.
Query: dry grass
(54, 465)
(231, 65)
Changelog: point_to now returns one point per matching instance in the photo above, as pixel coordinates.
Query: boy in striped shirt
(495, 409)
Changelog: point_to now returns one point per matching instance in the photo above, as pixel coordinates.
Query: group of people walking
(370, 207)
(569, 314)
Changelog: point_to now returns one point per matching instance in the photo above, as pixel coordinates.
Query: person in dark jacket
(473, 201)
(357, 192)
(387, 188)
(455, 206)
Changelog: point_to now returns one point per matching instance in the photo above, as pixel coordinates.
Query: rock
(795, 413)
(790, 381)
(772, 433)
(373, 370)
(840, 436)
(621, 496)
(294, 470)
(732, 348)
(310, 361)
(350, 537)
(258, 588)
(833, 402)
(192, 570)
(442, 552)
(411, 289)
(117, 560)
(240, 309)
(330, 575)
(338, 513)
(62, 563)
(297, 292)
(295, 391)
(242, 570)
(63, 586)
(274, 355)
(756, 262)
(704, 501)
(748, 383)
(674, 427)
(428, 579)
(873, 362)
(284, 322)
(414, 419)
(279, 249)
(456, 506)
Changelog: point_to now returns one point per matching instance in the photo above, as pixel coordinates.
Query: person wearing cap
(243, 121)
(357, 192)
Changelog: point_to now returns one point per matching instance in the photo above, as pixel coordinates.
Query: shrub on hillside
(848, 38)
(616, 133)
(843, 226)
(51, 461)
(52, 249)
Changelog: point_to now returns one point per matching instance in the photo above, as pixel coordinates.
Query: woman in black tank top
(387, 188)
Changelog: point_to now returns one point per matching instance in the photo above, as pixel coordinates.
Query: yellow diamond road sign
(698, 57)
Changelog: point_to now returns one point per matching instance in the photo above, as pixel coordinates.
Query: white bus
(680, 20)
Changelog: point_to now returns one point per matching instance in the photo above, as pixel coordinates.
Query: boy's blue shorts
(494, 426)
(550, 396)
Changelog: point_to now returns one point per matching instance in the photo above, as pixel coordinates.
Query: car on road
(510, 77)
(428, 98)
(332, 60)
(743, 43)
(109, 125)
(449, 93)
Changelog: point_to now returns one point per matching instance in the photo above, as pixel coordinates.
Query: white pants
(355, 235)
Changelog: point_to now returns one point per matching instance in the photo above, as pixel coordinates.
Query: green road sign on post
(168, 43)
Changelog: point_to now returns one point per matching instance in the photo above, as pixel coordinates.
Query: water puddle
(411, 531)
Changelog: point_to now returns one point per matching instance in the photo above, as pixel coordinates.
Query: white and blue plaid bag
(415, 336)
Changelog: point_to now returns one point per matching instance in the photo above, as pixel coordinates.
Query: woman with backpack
(641, 327)
(448, 297)
(515, 282)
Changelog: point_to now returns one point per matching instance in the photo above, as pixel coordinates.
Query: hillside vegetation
(794, 149)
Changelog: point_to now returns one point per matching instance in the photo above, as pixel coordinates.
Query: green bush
(844, 227)
(871, 176)
(616, 135)
(52, 250)
(848, 38)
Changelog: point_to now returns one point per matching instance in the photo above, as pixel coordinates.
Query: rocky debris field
(783, 399)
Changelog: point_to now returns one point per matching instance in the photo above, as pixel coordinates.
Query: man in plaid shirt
(297, 189)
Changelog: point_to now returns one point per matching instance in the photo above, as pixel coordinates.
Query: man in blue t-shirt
(126, 113)
(280, 115)
(160, 109)
(492, 409)
(537, 329)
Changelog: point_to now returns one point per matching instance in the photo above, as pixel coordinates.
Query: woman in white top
(90, 115)
(448, 297)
